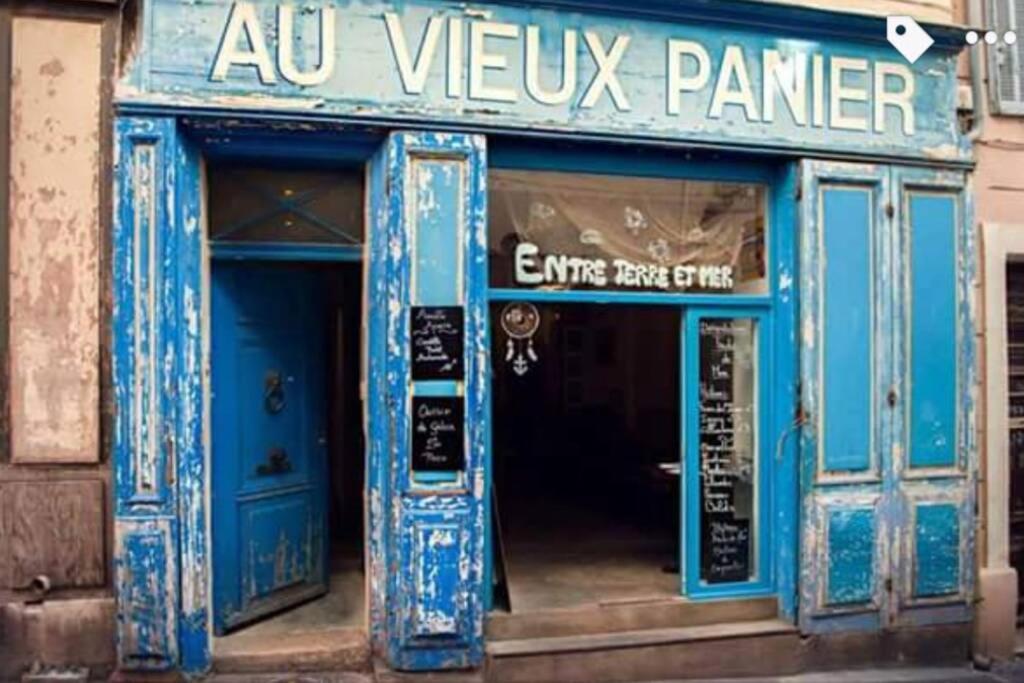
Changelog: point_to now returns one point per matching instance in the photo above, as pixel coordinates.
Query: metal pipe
(979, 104)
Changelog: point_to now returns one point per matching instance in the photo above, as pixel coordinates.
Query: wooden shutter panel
(1006, 62)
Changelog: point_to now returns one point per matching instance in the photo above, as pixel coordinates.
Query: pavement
(1002, 673)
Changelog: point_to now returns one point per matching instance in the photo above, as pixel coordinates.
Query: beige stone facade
(57, 63)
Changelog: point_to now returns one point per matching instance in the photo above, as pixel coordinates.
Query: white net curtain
(666, 222)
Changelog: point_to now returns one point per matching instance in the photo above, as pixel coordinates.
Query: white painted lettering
(677, 82)
(605, 78)
(533, 85)
(526, 264)
(286, 47)
(455, 57)
(787, 77)
(243, 19)
(901, 99)
(481, 61)
(846, 93)
(733, 66)
(413, 75)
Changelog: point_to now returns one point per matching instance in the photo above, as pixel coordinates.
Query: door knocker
(273, 392)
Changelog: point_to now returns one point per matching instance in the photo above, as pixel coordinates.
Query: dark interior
(584, 444)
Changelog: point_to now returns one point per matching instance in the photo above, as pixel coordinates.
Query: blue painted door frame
(887, 267)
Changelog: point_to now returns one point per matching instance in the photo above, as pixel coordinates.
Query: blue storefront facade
(843, 301)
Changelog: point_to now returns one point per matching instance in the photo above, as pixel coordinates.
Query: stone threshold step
(611, 617)
(528, 647)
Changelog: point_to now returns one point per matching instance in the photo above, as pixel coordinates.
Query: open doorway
(288, 465)
(586, 452)
(287, 456)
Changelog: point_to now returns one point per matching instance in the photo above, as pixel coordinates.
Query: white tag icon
(907, 36)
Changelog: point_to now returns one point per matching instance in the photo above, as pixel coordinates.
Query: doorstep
(331, 649)
(735, 649)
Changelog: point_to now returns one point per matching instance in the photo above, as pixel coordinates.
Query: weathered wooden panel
(932, 419)
(146, 606)
(848, 317)
(555, 72)
(53, 528)
(54, 240)
(438, 543)
(851, 552)
(429, 202)
(936, 550)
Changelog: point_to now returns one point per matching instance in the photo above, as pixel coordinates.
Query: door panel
(933, 341)
(269, 440)
(843, 253)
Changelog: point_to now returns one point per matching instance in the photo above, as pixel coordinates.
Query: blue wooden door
(846, 314)
(887, 391)
(269, 440)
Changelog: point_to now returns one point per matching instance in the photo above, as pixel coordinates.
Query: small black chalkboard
(436, 335)
(437, 434)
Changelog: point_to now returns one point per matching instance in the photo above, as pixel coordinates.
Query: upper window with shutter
(1006, 62)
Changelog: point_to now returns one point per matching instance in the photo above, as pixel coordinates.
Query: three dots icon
(991, 37)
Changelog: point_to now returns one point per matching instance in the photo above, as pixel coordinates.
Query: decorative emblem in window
(520, 321)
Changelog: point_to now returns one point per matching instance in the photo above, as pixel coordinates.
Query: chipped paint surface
(159, 454)
(426, 538)
(637, 98)
(888, 536)
(54, 240)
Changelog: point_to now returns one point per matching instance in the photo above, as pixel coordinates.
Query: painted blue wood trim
(159, 458)
(179, 48)
(932, 228)
(851, 550)
(763, 581)
(416, 631)
(610, 297)
(847, 283)
(190, 444)
(825, 494)
(379, 408)
(517, 153)
(286, 251)
(943, 485)
(785, 379)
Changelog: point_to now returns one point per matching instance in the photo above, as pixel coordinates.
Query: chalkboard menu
(437, 434)
(436, 334)
(726, 406)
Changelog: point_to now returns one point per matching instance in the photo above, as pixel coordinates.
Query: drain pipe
(974, 19)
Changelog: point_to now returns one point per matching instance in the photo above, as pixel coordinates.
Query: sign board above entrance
(501, 66)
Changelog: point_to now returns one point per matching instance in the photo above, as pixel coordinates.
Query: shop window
(560, 231)
(319, 207)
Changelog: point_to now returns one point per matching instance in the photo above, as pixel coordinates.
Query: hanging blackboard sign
(437, 434)
(436, 335)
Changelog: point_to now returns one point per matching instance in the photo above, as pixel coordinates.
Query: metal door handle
(277, 463)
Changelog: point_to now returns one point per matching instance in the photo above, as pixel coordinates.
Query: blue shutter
(427, 248)
(844, 313)
(934, 351)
